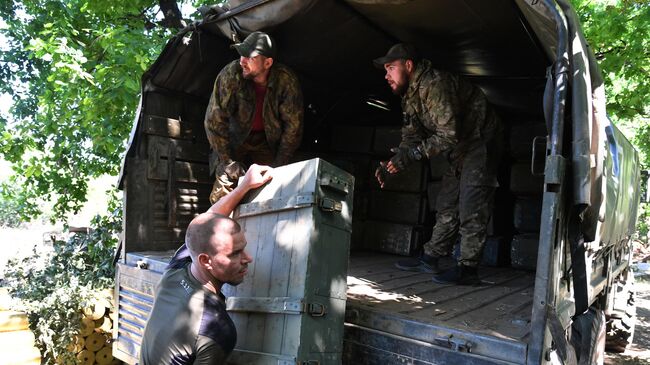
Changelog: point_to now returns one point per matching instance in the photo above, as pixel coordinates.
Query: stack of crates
(527, 187)
(399, 217)
(396, 219)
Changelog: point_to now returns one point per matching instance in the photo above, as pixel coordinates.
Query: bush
(643, 222)
(55, 283)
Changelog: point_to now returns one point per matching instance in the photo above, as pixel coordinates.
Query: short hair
(203, 227)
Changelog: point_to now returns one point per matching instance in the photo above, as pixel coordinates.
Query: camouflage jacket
(444, 113)
(229, 117)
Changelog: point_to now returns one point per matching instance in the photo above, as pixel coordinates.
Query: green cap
(400, 51)
(257, 43)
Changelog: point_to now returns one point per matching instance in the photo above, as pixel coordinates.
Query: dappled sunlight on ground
(372, 292)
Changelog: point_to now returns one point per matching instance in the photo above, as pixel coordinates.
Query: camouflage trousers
(463, 205)
(255, 149)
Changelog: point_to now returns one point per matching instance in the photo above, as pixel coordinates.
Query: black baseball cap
(400, 51)
(257, 43)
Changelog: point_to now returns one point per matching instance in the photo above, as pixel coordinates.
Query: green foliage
(619, 34)
(72, 68)
(55, 283)
(9, 207)
(643, 223)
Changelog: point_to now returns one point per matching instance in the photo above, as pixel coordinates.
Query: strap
(275, 205)
(275, 305)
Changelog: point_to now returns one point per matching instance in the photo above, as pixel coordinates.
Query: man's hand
(256, 176)
(403, 158)
(381, 172)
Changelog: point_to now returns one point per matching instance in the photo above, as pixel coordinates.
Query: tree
(73, 68)
(619, 33)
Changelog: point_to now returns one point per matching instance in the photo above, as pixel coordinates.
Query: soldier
(445, 114)
(255, 113)
(188, 322)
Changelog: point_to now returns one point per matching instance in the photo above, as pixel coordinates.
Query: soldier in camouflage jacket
(230, 120)
(446, 115)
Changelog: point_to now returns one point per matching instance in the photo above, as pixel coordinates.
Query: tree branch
(601, 54)
(173, 18)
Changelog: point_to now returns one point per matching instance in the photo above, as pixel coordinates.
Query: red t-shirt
(258, 119)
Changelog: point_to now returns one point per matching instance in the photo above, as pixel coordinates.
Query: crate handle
(533, 164)
(330, 205)
(335, 183)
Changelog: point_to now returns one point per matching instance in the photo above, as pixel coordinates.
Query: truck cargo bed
(391, 308)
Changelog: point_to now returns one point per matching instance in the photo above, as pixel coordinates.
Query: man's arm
(292, 115)
(438, 118)
(440, 104)
(256, 176)
(217, 115)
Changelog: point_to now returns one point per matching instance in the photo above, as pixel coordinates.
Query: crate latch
(453, 343)
(330, 205)
(315, 309)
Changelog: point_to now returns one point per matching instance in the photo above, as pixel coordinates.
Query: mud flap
(564, 349)
(588, 337)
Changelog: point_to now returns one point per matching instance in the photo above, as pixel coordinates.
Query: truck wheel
(588, 336)
(622, 316)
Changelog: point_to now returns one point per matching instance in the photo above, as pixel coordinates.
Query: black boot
(424, 263)
(460, 275)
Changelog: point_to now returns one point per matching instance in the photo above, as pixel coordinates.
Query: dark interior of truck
(352, 120)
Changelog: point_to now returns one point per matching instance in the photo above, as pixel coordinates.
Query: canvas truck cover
(330, 43)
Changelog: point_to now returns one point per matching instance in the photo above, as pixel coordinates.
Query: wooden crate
(407, 208)
(290, 309)
(401, 239)
(523, 251)
(527, 214)
(496, 251)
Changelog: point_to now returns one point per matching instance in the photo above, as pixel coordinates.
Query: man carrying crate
(189, 323)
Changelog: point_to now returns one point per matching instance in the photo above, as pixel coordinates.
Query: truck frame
(535, 66)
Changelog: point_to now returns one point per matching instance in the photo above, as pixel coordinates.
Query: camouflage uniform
(445, 114)
(229, 118)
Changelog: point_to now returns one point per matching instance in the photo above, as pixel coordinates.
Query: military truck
(558, 284)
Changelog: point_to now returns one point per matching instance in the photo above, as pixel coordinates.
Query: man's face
(253, 66)
(397, 76)
(230, 264)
